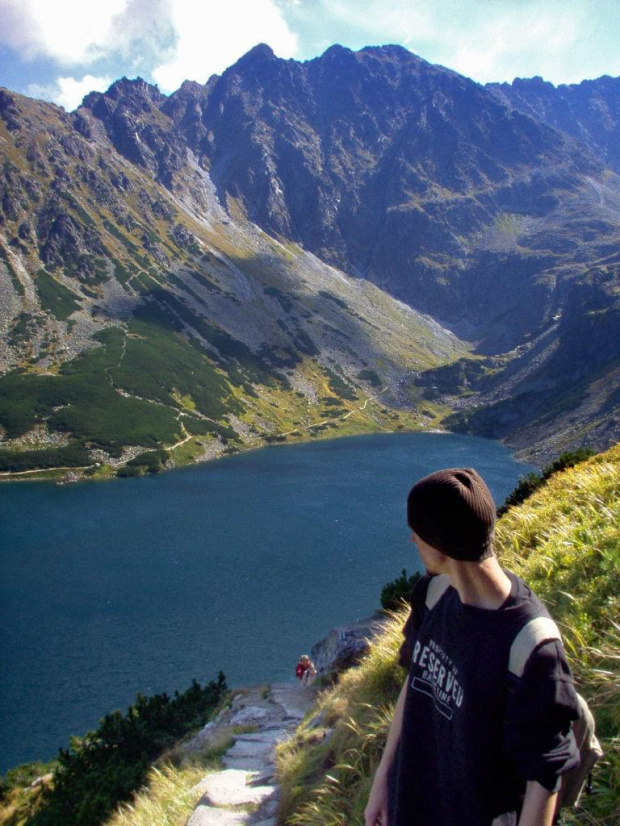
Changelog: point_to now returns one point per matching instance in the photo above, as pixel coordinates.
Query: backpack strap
(437, 587)
(574, 781)
(579, 780)
(534, 633)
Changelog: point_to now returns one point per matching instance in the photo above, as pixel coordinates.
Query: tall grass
(172, 788)
(565, 542)
(168, 799)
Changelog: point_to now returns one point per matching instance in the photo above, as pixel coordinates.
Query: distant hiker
(302, 666)
(471, 742)
(305, 670)
(310, 675)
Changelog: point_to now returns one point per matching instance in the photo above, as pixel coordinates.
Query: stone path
(246, 792)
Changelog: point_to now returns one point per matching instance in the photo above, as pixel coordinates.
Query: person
(310, 674)
(468, 745)
(304, 669)
(302, 666)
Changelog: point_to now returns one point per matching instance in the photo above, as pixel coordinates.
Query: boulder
(345, 646)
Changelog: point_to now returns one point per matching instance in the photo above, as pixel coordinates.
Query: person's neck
(480, 584)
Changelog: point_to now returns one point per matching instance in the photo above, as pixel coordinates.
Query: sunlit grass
(326, 769)
(168, 799)
(172, 788)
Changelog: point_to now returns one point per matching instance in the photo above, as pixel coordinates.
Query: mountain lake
(240, 565)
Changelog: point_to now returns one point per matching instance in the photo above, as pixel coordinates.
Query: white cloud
(563, 40)
(169, 41)
(210, 36)
(71, 32)
(143, 34)
(508, 45)
(68, 92)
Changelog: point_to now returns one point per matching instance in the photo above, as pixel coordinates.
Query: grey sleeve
(541, 706)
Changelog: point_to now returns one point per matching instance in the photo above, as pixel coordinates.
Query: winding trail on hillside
(45, 470)
(109, 369)
(342, 418)
(245, 792)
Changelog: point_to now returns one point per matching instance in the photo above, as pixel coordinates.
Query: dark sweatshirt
(472, 734)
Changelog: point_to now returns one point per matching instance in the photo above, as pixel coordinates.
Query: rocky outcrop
(394, 169)
(130, 114)
(345, 646)
(270, 713)
(560, 392)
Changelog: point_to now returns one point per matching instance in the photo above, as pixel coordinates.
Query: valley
(361, 242)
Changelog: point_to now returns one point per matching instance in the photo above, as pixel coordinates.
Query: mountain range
(359, 241)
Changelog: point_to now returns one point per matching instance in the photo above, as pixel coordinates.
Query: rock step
(208, 816)
(248, 777)
(230, 788)
(272, 735)
(250, 748)
(248, 764)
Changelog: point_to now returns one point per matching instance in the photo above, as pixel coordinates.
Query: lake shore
(200, 451)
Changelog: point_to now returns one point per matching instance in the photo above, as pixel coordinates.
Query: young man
(468, 745)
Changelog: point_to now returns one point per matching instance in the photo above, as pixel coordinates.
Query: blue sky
(59, 50)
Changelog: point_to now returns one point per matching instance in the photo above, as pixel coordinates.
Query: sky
(59, 50)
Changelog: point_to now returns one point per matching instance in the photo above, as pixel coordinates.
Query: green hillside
(565, 542)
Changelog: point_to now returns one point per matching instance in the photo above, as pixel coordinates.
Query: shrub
(152, 461)
(71, 455)
(55, 297)
(339, 386)
(23, 775)
(399, 590)
(371, 377)
(334, 298)
(106, 766)
(526, 486)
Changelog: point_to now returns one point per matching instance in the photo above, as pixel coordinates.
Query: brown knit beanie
(453, 511)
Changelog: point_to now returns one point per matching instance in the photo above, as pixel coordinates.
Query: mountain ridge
(587, 111)
(234, 214)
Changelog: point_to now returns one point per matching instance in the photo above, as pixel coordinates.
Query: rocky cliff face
(427, 184)
(404, 173)
(313, 230)
(589, 111)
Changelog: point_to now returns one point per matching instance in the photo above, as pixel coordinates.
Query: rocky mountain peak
(536, 82)
(134, 94)
(130, 113)
(8, 109)
(588, 111)
(391, 50)
(258, 54)
(335, 51)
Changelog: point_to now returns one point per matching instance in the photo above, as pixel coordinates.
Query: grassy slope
(565, 541)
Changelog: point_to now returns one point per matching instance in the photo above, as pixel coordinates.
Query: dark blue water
(111, 588)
